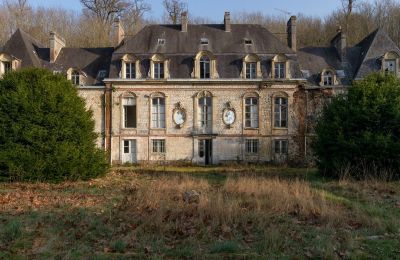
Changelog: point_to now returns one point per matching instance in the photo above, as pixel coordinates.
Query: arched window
(251, 67)
(327, 78)
(280, 64)
(204, 67)
(75, 77)
(281, 112)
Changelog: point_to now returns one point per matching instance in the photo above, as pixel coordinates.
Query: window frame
(252, 146)
(205, 111)
(278, 70)
(7, 65)
(280, 148)
(132, 70)
(281, 112)
(251, 73)
(205, 67)
(251, 112)
(75, 78)
(158, 69)
(158, 146)
(125, 114)
(158, 112)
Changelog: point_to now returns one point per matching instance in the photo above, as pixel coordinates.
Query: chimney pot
(184, 22)
(227, 22)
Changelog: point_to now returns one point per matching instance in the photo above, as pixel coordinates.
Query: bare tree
(173, 9)
(348, 7)
(105, 10)
(134, 15)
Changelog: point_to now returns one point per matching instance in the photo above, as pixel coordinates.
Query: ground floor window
(281, 147)
(158, 146)
(252, 146)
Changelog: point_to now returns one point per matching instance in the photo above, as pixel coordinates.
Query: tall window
(75, 78)
(205, 107)
(7, 66)
(129, 104)
(280, 72)
(158, 146)
(252, 146)
(327, 78)
(130, 70)
(281, 112)
(158, 112)
(251, 112)
(158, 70)
(204, 67)
(281, 147)
(389, 66)
(251, 70)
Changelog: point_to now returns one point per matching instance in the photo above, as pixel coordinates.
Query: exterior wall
(94, 98)
(182, 143)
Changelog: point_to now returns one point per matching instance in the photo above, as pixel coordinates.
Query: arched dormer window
(390, 63)
(130, 67)
(8, 64)
(205, 66)
(76, 76)
(280, 67)
(251, 67)
(328, 78)
(159, 67)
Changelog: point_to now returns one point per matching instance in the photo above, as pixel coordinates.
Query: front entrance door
(129, 151)
(205, 151)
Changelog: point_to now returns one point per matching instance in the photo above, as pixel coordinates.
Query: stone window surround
(391, 55)
(15, 63)
(280, 95)
(280, 58)
(121, 101)
(252, 58)
(250, 95)
(334, 77)
(129, 58)
(82, 75)
(157, 95)
(213, 65)
(159, 58)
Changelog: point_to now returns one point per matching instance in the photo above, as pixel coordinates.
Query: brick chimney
(227, 21)
(340, 43)
(184, 22)
(291, 33)
(118, 32)
(56, 44)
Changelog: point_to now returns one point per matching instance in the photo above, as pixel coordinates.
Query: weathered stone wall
(182, 143)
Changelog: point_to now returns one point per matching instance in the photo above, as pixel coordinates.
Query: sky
(214, 9)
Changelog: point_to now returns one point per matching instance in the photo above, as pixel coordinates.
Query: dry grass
(144, 214)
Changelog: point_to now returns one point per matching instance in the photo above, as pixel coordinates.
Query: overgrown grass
(255, 211)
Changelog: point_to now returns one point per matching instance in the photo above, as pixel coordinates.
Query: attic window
(204, 41)
(248, 42)
(101, 75)
(161, 41)
(341, 73)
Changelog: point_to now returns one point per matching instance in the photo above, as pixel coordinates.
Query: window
(252, 146)
(201, 148)
(327, 78)
(158, 70)
(7, 66)
(129, 104)
(159, 146)
(389, 66)
(204, 41)
(251, 70)
(75, 78)
(281, 146)
(101, 74)
(205, 107)
(280, 70)
(130, 69)
(126, 146)
(161, 41)
(204, 67)
(281, 112)
(158, 112)
(248, 42)
(251, 112)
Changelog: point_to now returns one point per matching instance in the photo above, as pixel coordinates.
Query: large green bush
(46, 133)
(359, 133)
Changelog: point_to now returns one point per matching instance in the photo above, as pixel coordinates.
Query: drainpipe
(306, 127)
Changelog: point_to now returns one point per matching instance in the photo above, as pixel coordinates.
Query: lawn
(243, 212)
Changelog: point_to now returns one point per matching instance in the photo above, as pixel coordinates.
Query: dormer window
(159, 67)
(280, 67)
(390, 63)
(248, 42)
(75, 77)
(130, 67)
(327, 78)
(204, 67)
(161, 41)
(251, 67)
(130, 70)
(158, 70)
(8, 63)
(7, 66)
(204, 41)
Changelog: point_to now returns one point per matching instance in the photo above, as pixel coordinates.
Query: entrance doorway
(129, 151)
(205, 151)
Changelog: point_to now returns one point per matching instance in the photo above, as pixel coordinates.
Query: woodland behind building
(92, 26)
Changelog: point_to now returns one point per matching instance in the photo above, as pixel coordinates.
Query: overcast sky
(214, 9)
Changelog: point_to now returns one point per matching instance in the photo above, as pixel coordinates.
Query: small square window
(281, 146)
(204, 41)
(248, 42)
(252, 146)
(158, 146)
(161, 41)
